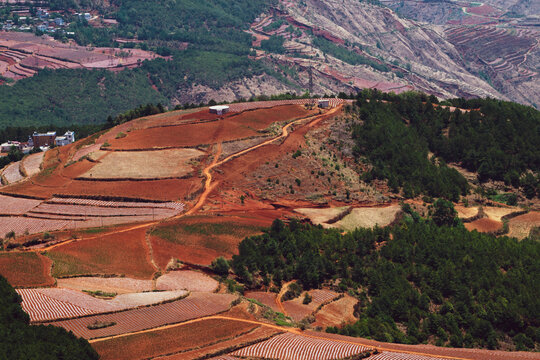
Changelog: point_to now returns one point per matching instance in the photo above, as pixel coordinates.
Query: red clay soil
(172, 340)
(473, 354)
(265, 298)
(167, 189)
(296, 310)
(230, 127)
(201, 239)
(336, 313)
(233, 173)
(113, 254)
(26, 269)
(484, 225)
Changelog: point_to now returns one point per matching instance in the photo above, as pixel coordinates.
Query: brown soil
(484, 225)
(200, 239)
(336, 313)
(229, 127)
(115, 254)
(26, 269)
(265, 298)
(521, 226)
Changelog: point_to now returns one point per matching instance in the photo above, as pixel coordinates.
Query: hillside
(240, 49)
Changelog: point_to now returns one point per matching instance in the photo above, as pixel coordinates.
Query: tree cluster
(441, 282)
(20, 340)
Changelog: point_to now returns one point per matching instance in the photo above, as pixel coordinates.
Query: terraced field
(298, 347)
(195, 306)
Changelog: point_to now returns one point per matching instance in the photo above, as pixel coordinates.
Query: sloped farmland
(299, 347)
(26, 269)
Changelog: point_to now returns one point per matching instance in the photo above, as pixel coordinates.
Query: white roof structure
(219, 107)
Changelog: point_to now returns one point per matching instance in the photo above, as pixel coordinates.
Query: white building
(68, 138)
(6, 147)
(219, 109)
(324, 103)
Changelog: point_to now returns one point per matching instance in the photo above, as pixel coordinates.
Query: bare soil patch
(173, 340)
(187, 280)
(119, 285)
(320, 216)
(26, 269)
(466, 212)
(109, 254)
(485, 225)
(367, 218)
(497, 213)
(32, 163)
(336, 313)
(265, 298)
(520, 226)
(171, 163)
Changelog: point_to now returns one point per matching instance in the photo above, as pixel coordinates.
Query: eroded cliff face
(497, 58)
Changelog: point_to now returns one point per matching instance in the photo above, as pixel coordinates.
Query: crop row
(41, 307)
(16, 206)
(82, 210)
(298, 347)
(321, 296)
(116, 204)
(21, 225)
(192, 307)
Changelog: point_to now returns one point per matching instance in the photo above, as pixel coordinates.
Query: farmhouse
(43, 139)
(219, 109)
(324, 103)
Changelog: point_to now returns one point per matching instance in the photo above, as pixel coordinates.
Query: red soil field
(265, 298)
(400, 356)
(26, 269)
(112, 254)
(484, 225)
(336, 313)
(169, 189)
(172, 340)
(483, 10)
(232, 126)
(200, 239)
(194, 306)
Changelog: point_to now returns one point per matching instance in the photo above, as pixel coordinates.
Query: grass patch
(100, 294)
(66, 265)
(94, 230)
(173, 233)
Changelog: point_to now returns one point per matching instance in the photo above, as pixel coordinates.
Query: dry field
(336, 313)
(194, 306)
(298, 347)
(11, 173)
(22, 225)
(230, 127)
(367, 217)
(521, 226)
(385, 355)
(200, 239)
(32, 163)
(114, 254)
(178, 339)
(188, 280)
(173, 163)
(265, 298)
(466, 212)
(321, 216)
(26, 269)
(486, 225)
(497, 213)
(16, 206)
(119, 285)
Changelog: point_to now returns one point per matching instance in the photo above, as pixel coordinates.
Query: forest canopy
(20, 340)
(461, 288)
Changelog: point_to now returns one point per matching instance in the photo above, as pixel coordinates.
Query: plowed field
(336, 313)
(26, 269)
(231, 127)
(188, 280)
(484, 225)
(521, 226)
(171, 163)
(16, 206)
(401, 356)
(169, 341)
(195, 306)
(119, 285)
(113, 254)
(298, 347)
